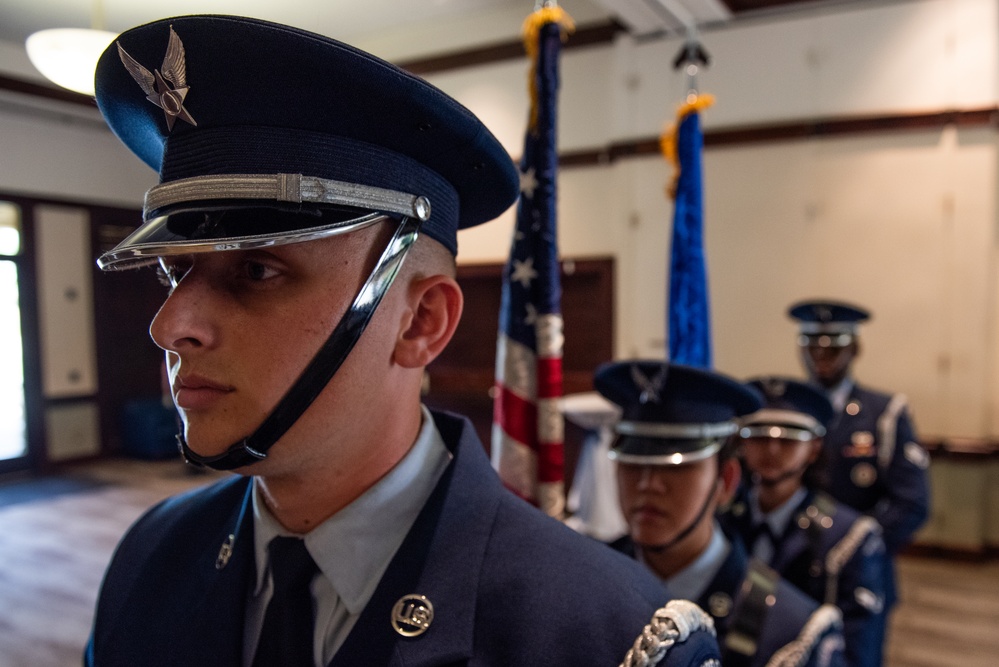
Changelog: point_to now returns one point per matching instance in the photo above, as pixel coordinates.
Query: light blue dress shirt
(352, 548)
(777, 520)
(691, 582)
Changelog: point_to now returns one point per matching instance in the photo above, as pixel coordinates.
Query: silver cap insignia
(774, 388)
(166, 87)
(650, 387)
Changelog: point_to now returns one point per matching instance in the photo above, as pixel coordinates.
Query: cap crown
(232, 95)
(823, 316)
(781, 394)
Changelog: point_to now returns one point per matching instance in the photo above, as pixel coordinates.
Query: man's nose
(183, 322)
(648, 479)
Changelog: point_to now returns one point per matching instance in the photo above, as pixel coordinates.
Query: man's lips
(193, 392)
(647, 512)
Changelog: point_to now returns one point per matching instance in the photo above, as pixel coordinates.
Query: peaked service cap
(791, 410)
(239, 113)
(671, 414)
(819, 317)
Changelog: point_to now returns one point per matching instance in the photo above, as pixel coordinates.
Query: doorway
(13, 418)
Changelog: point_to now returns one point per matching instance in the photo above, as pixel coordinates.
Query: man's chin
(650, 541)
(655, 546)
(209, 446)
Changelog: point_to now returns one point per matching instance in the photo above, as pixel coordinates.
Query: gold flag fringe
(532, 28)
(667, 142)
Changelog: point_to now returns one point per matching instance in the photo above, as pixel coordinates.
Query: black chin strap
(324, 364)
(659, 548)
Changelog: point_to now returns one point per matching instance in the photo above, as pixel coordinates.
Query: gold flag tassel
(695, 103)
(547, 12)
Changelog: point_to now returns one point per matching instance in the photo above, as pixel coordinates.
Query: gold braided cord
(531, 30)
(694, 103)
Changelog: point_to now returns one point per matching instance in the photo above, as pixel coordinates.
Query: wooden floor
(949, 614)
(53, 550)
(53, 553)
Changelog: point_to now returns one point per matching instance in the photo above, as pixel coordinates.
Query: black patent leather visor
(232, 227)
(215, 213)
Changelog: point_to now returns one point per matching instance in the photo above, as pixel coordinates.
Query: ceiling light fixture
(68, 56)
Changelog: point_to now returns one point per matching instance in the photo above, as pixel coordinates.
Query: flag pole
(528, 428)
(688, 322)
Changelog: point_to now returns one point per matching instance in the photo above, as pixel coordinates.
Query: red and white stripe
(527, 424)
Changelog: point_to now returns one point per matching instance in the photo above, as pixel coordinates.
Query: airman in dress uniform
(673, 450)
(873, 460)
(823, 547)
(306, 222)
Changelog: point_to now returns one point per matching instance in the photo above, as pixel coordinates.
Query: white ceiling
(342, 19)
(397, 30)
(346, 20)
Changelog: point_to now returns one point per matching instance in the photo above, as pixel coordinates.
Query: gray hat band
(671, 459)
(676, 431)
(815, 328)
(285, 188)
(777, 433)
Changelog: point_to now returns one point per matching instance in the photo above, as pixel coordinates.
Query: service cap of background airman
(792, 410)
(827, 323)
(304, 135)
(671, 414)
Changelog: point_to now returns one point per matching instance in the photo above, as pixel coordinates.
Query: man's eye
(258, 271)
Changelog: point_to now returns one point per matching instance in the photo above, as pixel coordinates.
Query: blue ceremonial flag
(688, 309)
(527, 434)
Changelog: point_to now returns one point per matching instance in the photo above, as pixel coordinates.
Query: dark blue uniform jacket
(875, 464)
(779, 626)
(509, 586)
(836, 556)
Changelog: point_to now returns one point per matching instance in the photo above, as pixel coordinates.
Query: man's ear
(731, 474)
(816, 445)
(435, 308)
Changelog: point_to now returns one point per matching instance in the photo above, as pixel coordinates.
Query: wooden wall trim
(795, 129)
(602, 33)
(790, 131)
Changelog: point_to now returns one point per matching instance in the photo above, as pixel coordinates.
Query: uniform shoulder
(560, 553)
(176, 519)
(777, 622)
(569, 583)
(819, 638)
(157, 551)
(833, 520)
(769, 614)
(877, 399)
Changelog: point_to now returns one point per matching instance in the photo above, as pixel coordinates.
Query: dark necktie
(761, 530)
(286, 636)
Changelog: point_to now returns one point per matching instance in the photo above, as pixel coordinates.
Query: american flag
(527, 428)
